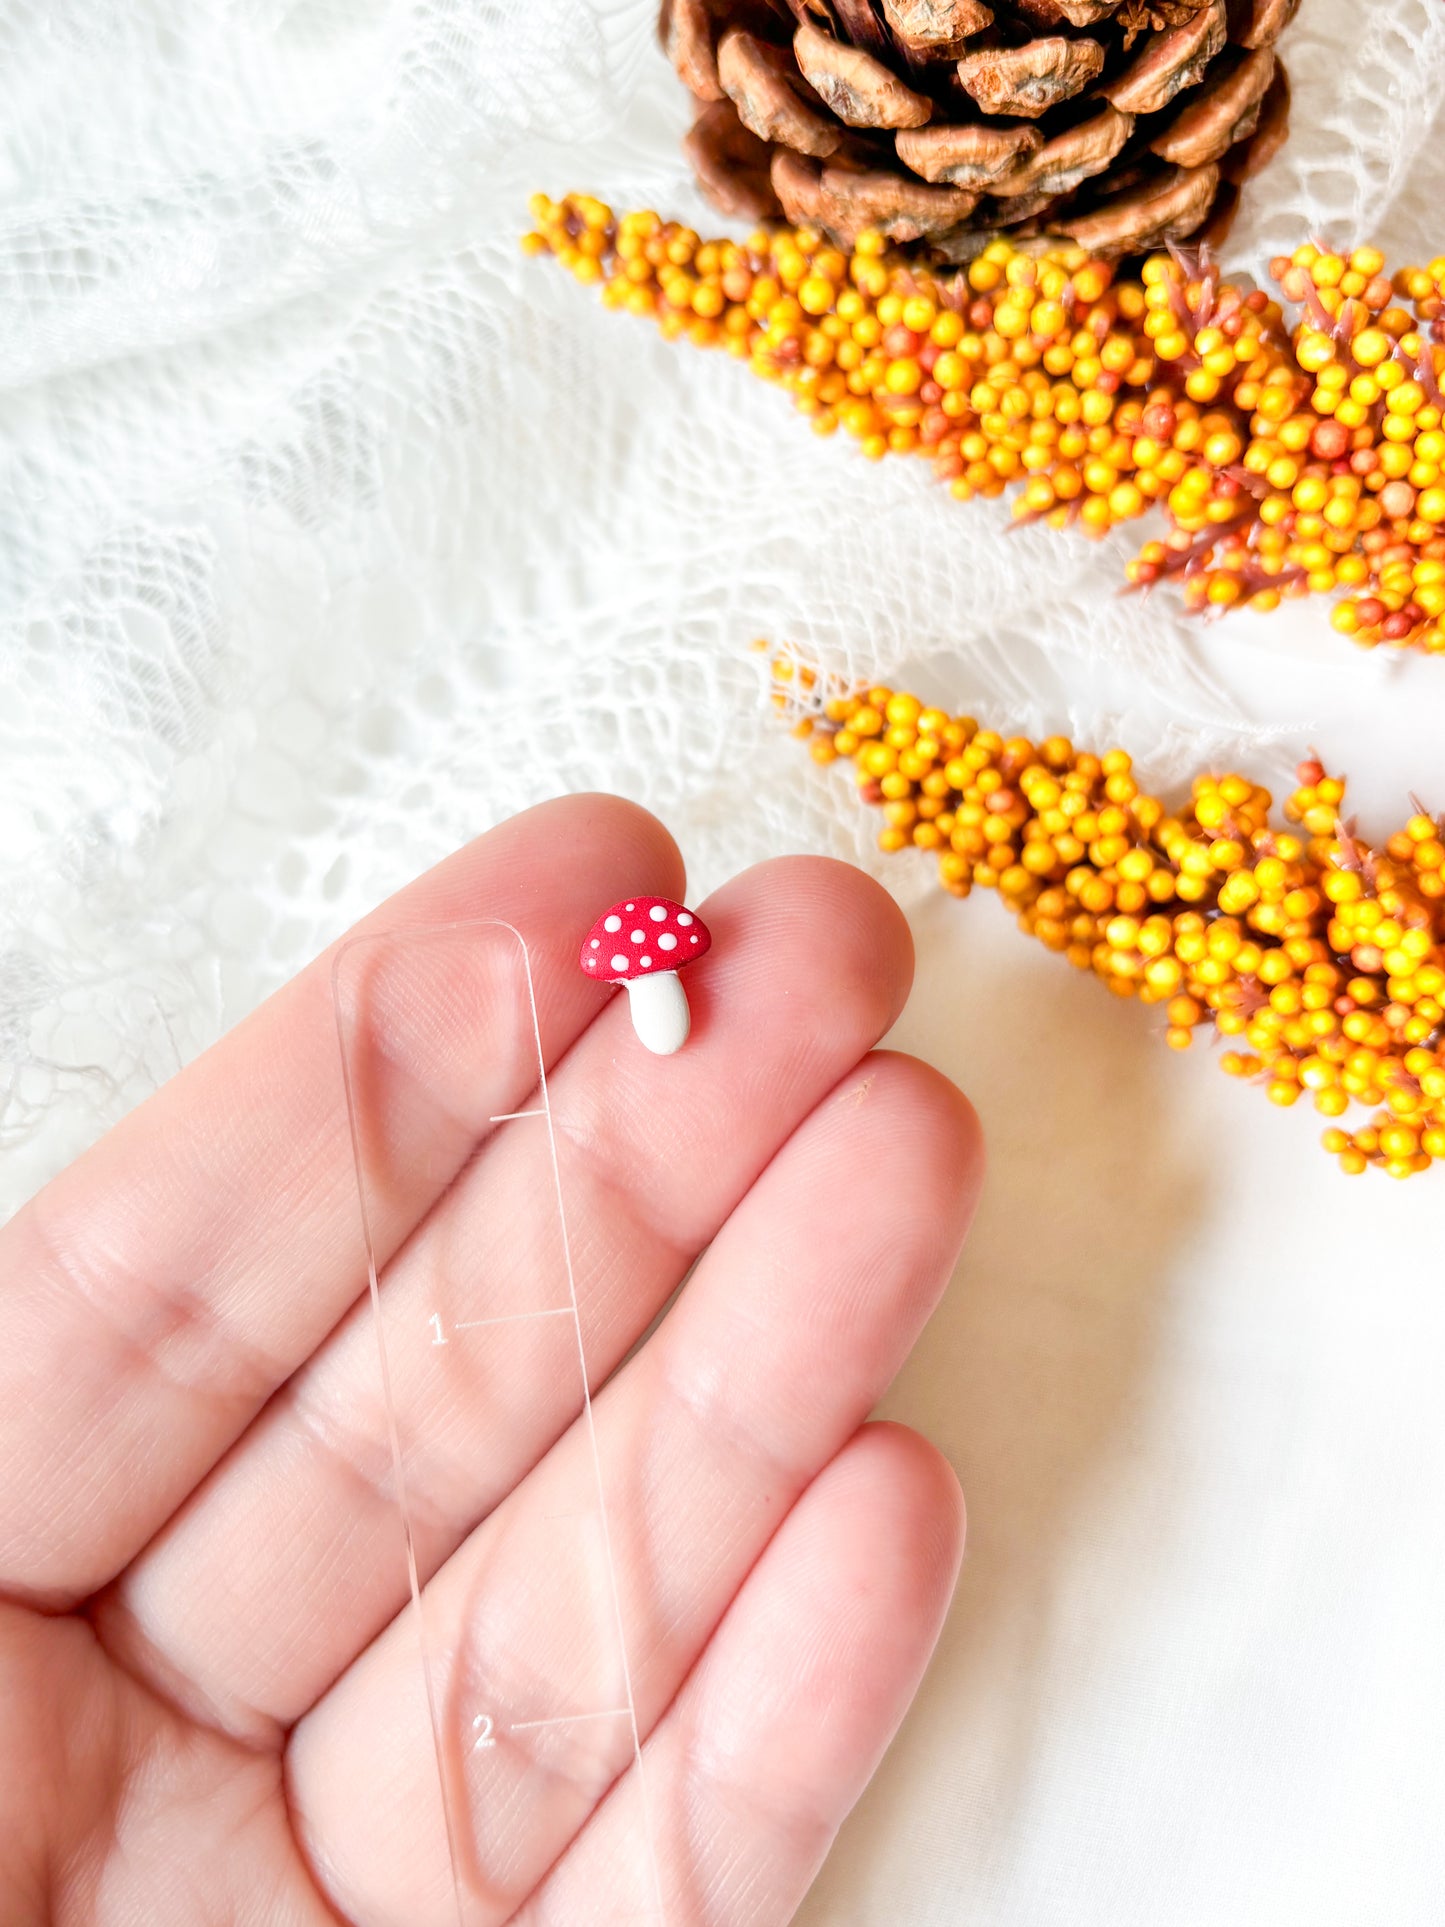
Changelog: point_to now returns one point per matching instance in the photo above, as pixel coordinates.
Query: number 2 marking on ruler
(482, 1727)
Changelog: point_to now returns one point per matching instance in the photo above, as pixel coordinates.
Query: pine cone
(1124, 123)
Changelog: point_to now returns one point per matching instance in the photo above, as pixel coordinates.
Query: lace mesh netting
(333, 531)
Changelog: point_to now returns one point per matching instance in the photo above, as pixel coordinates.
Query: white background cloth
(333, 532)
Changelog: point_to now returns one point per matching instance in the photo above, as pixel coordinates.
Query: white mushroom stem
(660, 1015)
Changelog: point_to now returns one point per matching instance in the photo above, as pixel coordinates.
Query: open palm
(209, 1705)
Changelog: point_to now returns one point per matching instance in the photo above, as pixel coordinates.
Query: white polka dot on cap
(667, 941)
(619, 963)
(613, 923)
(658, 913)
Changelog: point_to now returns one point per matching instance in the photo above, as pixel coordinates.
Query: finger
(794, 1324)
(775, 1734)
(156, 1293)
(288, 1561)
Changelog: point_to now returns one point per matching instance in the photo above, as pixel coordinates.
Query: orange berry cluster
(1286, 461)
(1345, 457)
(1321, 961)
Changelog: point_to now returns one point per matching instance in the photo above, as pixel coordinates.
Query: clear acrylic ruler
(483, 1329)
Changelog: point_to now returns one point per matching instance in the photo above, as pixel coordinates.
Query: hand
(209, 1683)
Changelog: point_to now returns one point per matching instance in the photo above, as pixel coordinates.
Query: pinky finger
(783, 1721)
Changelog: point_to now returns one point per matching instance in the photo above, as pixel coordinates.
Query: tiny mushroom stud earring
(643, 942)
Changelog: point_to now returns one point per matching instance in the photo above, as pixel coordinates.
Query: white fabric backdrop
(331, 532)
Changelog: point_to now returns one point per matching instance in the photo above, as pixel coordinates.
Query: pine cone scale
(978, 156)
(754, 79)
(1228, 112)
(936, 29)
(856, 85)
(687, 36)
(1173, 60)
(1029, 80)
(1063, 163)
(1261, 22)
(1149, 215)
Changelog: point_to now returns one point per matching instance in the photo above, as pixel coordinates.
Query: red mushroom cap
(643, 937)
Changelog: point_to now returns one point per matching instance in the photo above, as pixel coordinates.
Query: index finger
(156, 1293)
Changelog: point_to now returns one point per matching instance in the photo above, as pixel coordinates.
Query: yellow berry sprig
(1374, 464)
(1287, 461)
(1321, 961)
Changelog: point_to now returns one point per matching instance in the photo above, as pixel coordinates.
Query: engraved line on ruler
(571, 1719)
(511, 1318)
(393, 1430)
(507, 1117)
(592, 1440)
(590, 1416)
